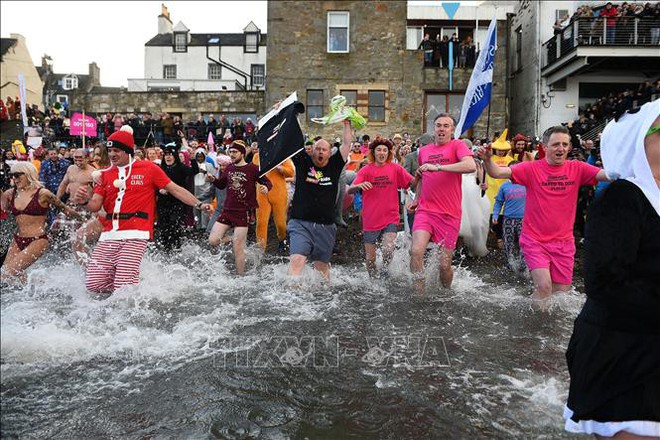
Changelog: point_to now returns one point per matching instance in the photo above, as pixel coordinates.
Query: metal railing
(601, 31)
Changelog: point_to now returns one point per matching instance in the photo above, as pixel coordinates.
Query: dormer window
(252, 35)
(180, 42)
(180, 37)
(70, 82)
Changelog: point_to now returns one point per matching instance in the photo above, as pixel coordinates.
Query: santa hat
(122, 139)
(519, 137)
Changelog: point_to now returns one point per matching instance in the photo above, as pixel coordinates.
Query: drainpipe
(507, 85)
(230, 67)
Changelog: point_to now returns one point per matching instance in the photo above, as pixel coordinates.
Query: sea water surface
(197, 352)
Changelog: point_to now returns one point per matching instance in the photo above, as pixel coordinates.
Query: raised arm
(347, 140)
(493, 170)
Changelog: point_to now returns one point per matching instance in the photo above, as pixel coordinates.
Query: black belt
(126, 215)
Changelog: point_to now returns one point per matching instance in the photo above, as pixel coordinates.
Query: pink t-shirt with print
(381, 203)
(441, 191)
(552, 192)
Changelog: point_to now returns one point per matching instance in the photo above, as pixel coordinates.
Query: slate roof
(202, 39)
(5, 45)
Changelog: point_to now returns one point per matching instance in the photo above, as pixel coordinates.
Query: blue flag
(479, 90)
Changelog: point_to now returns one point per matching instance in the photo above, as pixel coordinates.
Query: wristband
(438, 168)
(198, 205)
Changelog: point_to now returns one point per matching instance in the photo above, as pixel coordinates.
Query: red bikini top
(32, 208)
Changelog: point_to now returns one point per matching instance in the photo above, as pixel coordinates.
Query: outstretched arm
(347, 139)
(185, 196)
(53, 200)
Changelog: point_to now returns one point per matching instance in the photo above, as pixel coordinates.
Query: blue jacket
(52, 174)
(513, 197)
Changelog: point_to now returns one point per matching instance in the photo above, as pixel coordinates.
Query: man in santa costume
(127, 193)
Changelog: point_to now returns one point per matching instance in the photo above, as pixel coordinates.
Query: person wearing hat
(127, 193)
(613, 356)
(552, 185)
(519, 149)
(397, 140)
(380, 182)
(501, 147)
(241, 180)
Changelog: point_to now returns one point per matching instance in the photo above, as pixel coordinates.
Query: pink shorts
(443, 228)
(557, 256)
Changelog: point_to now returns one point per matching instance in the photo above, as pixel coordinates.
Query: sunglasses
(14, 175)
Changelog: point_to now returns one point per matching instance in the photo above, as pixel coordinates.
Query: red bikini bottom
(24, 242)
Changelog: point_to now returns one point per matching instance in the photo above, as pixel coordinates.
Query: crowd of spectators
(436, 51)
(618, 20)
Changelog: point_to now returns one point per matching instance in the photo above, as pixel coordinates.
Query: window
(414, 36)
(338, 32)
(518, 63)
(258, 72)
(169, 71)
(376, 106)
(251, 42)
(561, 14)
(180, 42)
(70, 83)
(62, 99)
(215, 71)
(351, 97)
(441, 103)
(314, 104)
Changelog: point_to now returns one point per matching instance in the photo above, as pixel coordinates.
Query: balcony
(624, 42)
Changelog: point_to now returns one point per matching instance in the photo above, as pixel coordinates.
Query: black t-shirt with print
(316, 188)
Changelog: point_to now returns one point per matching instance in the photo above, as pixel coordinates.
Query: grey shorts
(371, 237)
(313, 240)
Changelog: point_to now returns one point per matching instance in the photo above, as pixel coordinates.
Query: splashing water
(195, 351)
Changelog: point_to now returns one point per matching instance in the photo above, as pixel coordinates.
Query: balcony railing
(602, 31)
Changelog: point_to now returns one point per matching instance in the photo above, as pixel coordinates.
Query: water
(194, 352)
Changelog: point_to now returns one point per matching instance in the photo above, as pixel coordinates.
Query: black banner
(280, 137)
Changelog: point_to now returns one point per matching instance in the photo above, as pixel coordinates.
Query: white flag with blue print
(479, 90)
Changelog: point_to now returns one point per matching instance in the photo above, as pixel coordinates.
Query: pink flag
(210, 142)
(76, 128)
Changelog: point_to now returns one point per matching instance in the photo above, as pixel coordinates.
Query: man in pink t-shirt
(552, 184)
(380, 181)
(437, 206)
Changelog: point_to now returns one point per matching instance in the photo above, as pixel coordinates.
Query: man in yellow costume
(275, 202)
(501, 148)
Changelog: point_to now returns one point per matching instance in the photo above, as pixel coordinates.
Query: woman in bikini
(29, 202)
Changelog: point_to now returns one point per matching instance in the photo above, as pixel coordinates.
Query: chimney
(94, 75)
(164, 22)
(47, 63)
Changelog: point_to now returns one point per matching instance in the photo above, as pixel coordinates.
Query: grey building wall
(524, 85)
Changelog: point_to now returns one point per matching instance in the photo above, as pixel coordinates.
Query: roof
(5, 45)
(54, 82)
(202, 40)
(180, 27)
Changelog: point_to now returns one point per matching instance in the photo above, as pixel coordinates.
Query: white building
(552, 76)
(178, 60)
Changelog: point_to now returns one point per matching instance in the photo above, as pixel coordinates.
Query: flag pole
(83, 129)
(488, 120)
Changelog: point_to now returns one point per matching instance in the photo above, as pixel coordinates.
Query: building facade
(62, 87)
(178, 60)
(554, 74)
(15, 59)
(367, 51)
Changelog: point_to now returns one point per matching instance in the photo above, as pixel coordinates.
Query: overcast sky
(113, 34)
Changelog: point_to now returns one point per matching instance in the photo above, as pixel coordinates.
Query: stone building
(15, 59)
(61, 87)
(362, 51)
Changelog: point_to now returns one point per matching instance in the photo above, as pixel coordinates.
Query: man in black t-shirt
(312, 229)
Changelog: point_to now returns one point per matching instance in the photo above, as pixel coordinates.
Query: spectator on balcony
(471, 50)
(427, 46)
(444, 52)
(436, 51)
(455, 48)
(610, 13)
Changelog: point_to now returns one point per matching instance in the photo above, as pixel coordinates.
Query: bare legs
(217, 236)
(420, 240)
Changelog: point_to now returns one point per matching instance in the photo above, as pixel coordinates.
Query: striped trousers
(115, 263)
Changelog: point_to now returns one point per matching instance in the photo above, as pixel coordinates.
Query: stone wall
(189, 104)
(378, 60)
